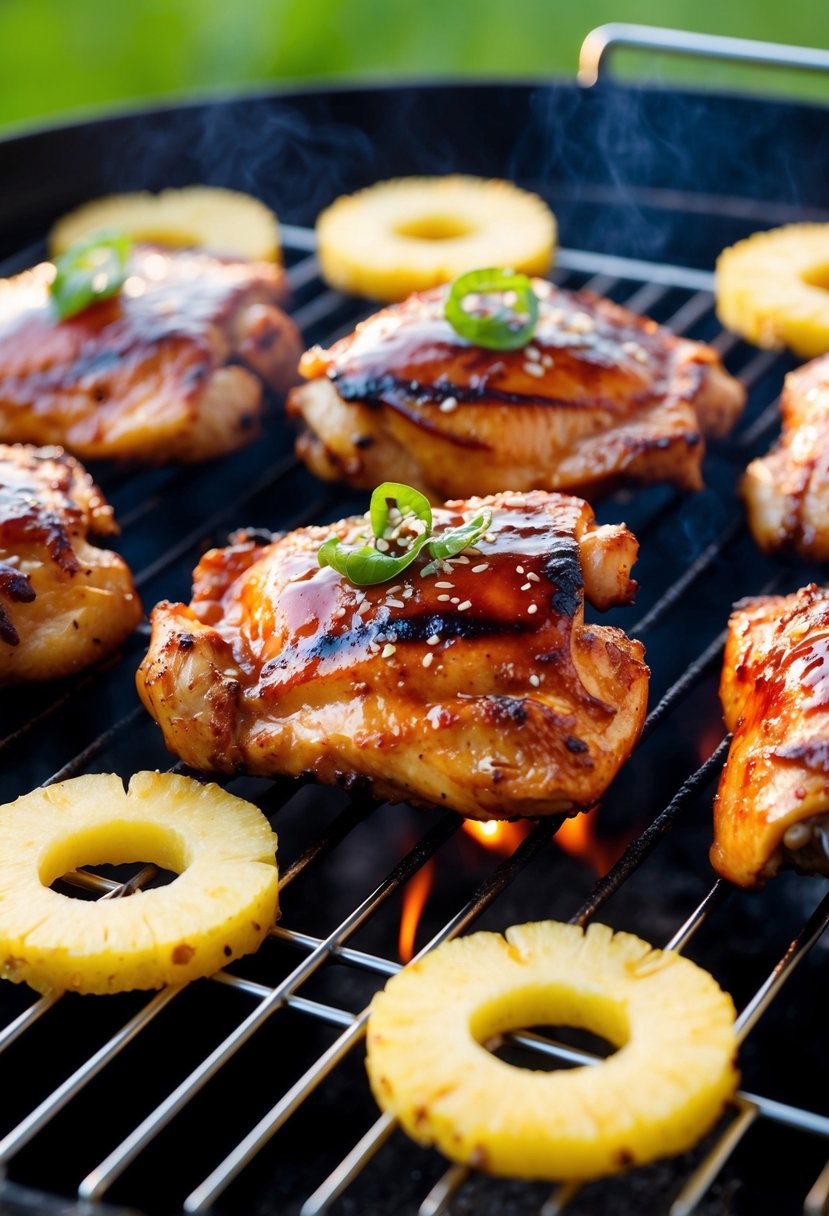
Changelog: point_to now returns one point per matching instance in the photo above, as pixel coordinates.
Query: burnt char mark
(92, 363)
(563, 568)
(457, 625)
(575, 745)
(16, 587)
(58, 543)
(390, 390)
(509, 709)
(407, 629)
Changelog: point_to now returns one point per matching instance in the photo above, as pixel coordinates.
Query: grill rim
(707, 657)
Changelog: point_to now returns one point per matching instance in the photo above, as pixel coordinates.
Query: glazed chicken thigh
(171, 368)
(63, 602)
(599, 396)
(787, 491)
(478, 686)
(773, 797)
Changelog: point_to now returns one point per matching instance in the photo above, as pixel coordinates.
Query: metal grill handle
(600, 44)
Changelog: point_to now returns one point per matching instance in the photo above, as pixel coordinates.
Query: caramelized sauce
(586, 352)
(16, 587)
(25, 513)
(303, 621)
(169, 296)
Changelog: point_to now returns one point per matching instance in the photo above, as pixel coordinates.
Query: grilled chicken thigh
(479, 686)
(600, 396)
(773, 797)
(787, 491)
(63, 602)
(169, 369)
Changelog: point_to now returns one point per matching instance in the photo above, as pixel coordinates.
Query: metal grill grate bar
(325, 308)
(94, 1185)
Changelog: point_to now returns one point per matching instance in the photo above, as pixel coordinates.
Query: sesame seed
(534, 680)
(448, 404)
(444, 599)
(428, 659)
(581, 323)
(463, 607)
(388, 651)
(432, 640)
(339, 613)
(363, 607)
(547, 361)
(532, 608)
(532, 354)
(444, 584)
(408, 593)
(395, 603)
(382, 544)
(480, 567)
(455, 600)
(533, 577)
(463, 560)
(396, 587)
(519, 569)
(534, 369)
(526, 586)
(490, 538)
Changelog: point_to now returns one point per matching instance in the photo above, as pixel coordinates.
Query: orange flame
(578, 837)
(495, 835)
(415, 894)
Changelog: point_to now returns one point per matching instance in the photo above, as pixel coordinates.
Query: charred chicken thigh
(600, 395)
(773, 798)
(171, 368)
(787, 491)
(478, 685)
(63, 602)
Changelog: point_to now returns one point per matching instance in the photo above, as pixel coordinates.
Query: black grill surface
(247, 1092)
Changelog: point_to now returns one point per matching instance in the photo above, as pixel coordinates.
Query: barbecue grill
(246, 1093)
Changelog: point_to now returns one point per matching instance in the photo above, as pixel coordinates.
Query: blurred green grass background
(62, 56)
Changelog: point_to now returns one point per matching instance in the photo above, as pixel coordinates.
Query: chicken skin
(171, 368)
(479, 686)
(787, 491)
(64, 603)
(773, 795)
(600, 396)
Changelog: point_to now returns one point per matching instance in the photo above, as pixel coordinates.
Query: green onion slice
(407, 500)
(92, 269)
(364, 565)
(494, 324)
(455, 540)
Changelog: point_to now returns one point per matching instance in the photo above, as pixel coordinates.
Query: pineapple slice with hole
(662, 1090)
(413, 233)
(773, 288)
(224, 221)
(220, 906)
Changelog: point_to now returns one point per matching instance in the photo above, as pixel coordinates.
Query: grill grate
(82, 725)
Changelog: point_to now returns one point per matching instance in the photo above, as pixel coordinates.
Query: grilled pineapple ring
(657, 1095)
(772, 288)
(225, 221)
(412, 233)
(221, 905)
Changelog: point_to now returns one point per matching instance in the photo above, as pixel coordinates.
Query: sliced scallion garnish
(366, 565)
(506, 311)
(92, 269)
